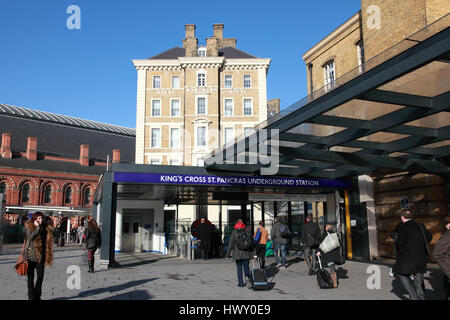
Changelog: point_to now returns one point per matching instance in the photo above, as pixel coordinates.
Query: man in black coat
(412, 255)
(204, 234)
(310, 240)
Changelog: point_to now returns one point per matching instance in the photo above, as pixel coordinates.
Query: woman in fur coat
(38, 250)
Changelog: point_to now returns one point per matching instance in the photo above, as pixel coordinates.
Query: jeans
(276, 248)
(242, 264)
(415, 289)
(309, 251)
(35, 290)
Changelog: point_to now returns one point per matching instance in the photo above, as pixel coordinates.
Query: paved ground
(147, 276)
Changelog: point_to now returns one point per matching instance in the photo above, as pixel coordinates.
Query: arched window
(48, 194)
(25, 193)
(68, 195)
(2, 188)
(87, 196)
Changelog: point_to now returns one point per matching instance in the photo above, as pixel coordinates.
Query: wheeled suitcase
(323, 277)
(258, 278)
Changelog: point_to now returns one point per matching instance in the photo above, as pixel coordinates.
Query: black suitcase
(258, 278)
(323, 277)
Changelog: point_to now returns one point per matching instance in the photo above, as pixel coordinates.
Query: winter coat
(332, 256)
(310, 229)
(238, 254)
(39, 243)
(441, 253)
(411, 250)
(276, 234)
(93, 239)
(204, 231)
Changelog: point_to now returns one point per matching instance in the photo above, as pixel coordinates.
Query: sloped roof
(227, 52)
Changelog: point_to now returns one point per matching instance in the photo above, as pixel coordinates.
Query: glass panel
(135, 227)
(126, 227)
(201, 106)
(26, 193)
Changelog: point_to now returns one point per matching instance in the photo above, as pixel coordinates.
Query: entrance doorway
(131, 233)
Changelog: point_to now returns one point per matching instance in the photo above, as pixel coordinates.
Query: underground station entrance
(388, 117)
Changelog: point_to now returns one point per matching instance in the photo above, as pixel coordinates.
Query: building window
(329, 73)
(201, 106)
(228, 81)
(248, 107)
(175, 108)
(48, 194)
(247, 81)
(87, 196)
(155, 161)
(25, 193)
(174, 137)
(361, 55)
(200, 162)
(156, 108)
(156, 138)
(2, 188)
(248, 131)
(201, 52)
(228, 107)
(68, 195)
(175, 82)
(156, 82)
(229, 135)
(201, 136)
(201, 79)
(174, 162)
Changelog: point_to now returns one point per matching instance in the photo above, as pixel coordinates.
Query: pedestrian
(331, 258)
(80, 234)
(311, 238)
(240, 256)
(413, 239)
(93, 242)
(204, 234)
(279, 243)
(261, 237)
(38, 250)
(441, 254)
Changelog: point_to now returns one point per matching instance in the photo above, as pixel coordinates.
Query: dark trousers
(242, 265)
(414, 289)
(261, 253)
(35, 289)
(310, 252)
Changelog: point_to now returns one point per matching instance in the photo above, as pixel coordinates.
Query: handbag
(22, 264)
(330, 243)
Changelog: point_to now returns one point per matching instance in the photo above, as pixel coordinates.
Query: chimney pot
(84, 155)
(218, 30)
(116, 156)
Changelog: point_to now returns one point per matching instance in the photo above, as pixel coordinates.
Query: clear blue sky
(88, 73)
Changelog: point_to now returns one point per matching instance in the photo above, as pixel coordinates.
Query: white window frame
(154, 83)
(201, 83)
(158, 145)
(177, 160)
(206, 105)
(197, 127)
(248, 75)
(201, 52)
(225, 107)
(199, 159)
(179, 107)
(329, 71)
(225, 81)
(179, 82)
(155, 161)
(226, 142)
(243, 107)
(152, 113)
(171, 138)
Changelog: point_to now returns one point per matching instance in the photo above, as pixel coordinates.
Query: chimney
(5, 149)
(116, 156)
(190, 43)
(218, 30)
(32, 148)
(212, 47)
(84, 155)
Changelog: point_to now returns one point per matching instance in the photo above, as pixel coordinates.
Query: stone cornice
(247, 63)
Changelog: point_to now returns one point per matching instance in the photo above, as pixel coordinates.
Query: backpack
(257, 236)
(244, 240)
(284, 231)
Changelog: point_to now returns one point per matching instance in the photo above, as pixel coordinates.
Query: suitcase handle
(320, 262)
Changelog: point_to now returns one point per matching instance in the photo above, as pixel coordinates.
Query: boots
(91, 266)
(334, 279)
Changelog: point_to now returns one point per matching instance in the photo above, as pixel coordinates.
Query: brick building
(359, 44)
(52, 163)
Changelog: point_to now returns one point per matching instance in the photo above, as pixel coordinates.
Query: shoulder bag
(22, 264)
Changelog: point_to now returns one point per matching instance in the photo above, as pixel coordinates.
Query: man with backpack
(280, 235)
(241, 244)
(311, 241)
